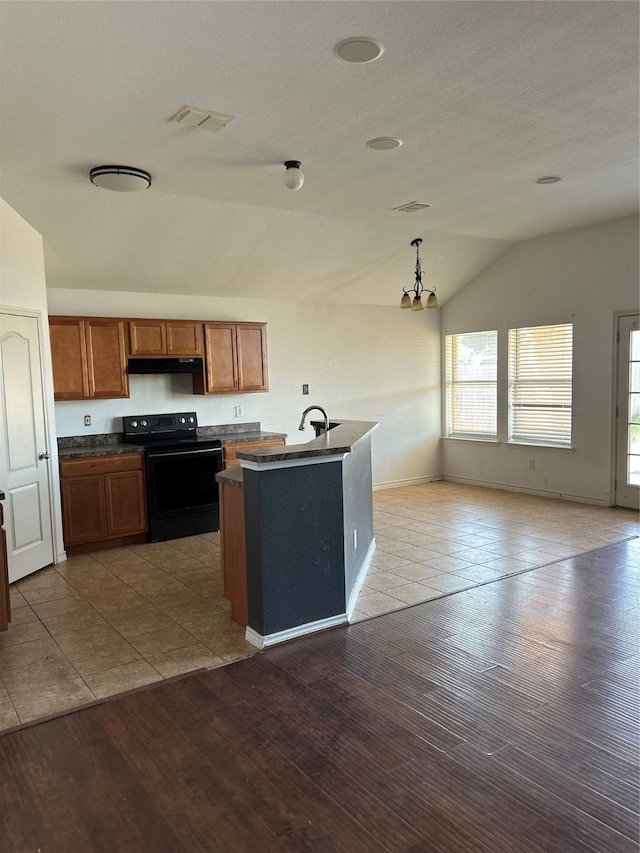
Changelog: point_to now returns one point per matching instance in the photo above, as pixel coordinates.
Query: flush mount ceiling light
(293, 176)
(122, 179)
(548, 179)
(416, 303)
(358, 49)
(384, 143)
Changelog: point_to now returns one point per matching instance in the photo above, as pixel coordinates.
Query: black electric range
(181, 468)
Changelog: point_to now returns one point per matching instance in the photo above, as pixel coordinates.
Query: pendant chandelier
(418, 289)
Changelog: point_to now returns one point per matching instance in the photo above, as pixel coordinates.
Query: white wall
(582, 276)
(23, 288)
(361, 363)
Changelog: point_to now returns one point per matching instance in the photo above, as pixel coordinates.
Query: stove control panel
(174, 424)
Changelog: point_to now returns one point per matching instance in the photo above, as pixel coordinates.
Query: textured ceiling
(487, 96)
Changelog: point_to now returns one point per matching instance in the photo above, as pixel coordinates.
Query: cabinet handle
(44, 455)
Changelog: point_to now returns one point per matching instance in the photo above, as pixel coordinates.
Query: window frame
(520, 385)
(451, 342)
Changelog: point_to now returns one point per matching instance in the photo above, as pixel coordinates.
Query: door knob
(44, 455)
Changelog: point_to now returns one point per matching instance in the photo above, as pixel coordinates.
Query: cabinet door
(184, 337)
(125, 503)
(147, 337)
(220, 358)
(233, 551)
(83, 505)
(68, 356)
(106, 358)
(230, 450)
(252, 357)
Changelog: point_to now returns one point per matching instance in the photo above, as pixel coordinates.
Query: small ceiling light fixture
(416, 303)
(293, 176)
(122, 179)
(384, 143)
(359, 49)
(548, 179)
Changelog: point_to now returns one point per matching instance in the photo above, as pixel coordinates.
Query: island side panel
(295, 546)
(358, 510)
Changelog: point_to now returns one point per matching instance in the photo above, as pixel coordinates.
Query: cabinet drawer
(101, 465)
(231, 450)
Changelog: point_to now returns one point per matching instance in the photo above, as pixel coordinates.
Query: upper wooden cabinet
(89, 358)
(165, 337)
(235, 357)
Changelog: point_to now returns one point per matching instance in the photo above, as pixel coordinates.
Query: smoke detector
(203, 119)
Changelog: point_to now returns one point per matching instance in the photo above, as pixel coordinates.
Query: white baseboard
(262, 642)
(364, 568)
(60, 558)
(525, 491)
(413, 481)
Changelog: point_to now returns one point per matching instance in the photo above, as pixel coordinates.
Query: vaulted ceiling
(486, 97)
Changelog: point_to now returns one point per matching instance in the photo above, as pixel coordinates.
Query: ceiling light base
(123, 179)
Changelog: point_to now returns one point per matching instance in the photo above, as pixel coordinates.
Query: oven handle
(170, 453)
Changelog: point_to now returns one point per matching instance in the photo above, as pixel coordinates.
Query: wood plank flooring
(502, 719)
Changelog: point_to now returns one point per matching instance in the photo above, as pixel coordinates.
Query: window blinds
(540, 392)
(471, 365)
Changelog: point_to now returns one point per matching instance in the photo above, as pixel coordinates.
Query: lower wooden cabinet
(230, 450)
(5, 602)
(233, 550)
(103, 499)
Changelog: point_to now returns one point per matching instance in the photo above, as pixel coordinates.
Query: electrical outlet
(532, 464)
(239, 411)
(87, 420)
(305, 389)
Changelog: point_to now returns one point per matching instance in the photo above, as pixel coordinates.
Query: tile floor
(113, 620)
(110, 621)
(440, 537)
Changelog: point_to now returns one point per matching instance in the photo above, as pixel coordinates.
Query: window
(471, 364)
(540, 368)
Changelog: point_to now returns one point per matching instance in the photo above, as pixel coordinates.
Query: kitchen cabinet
(233, 550)
(5, 600)
(165, 337)
(235, 359)
(103, 500)
(89, 358)
(231, 450)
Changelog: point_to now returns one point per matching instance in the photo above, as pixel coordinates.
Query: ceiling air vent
(204, 119)
(412, 207)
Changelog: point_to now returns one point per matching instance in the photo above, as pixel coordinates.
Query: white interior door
(24, 465)
(627, 490)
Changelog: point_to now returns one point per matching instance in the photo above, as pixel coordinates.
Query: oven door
(182, 492)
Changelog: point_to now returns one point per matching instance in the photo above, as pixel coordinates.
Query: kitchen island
(308, 532)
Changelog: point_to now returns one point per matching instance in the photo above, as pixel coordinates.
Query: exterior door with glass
(627, 476)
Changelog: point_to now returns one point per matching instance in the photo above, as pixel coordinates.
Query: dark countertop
(231, 476)
(112, 444)
(237, 437)
(97, 450)
(342, 438)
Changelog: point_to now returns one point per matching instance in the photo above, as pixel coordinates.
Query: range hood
(164, 365)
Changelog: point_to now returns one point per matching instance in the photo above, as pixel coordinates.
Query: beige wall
(23, 291)
(582, 277)
(360, 362)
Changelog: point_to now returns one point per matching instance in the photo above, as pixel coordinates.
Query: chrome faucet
(324, 415)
